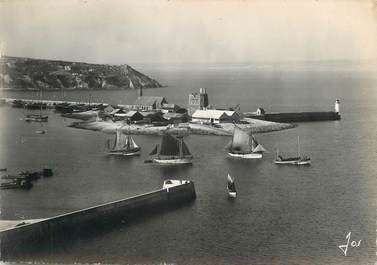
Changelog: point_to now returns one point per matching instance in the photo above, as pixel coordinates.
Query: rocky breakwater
(34, 74)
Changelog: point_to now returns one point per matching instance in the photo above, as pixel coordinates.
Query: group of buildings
(156, 109)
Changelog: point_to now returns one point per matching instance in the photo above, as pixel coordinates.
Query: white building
(215, 116)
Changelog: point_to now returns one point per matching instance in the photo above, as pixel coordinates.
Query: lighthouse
(337, 106)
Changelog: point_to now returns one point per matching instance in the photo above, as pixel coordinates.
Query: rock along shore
(224, 129)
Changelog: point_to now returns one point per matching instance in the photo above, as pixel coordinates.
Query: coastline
(225, 129)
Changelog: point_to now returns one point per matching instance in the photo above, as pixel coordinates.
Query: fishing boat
(124, 145)
(16, 184)
(232, 192)
(297, 160)
(38, 117)
(40, 131)
(171, 151)
(244, 145)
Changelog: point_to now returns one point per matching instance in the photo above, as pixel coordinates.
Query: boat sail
(244, 145)
(232, 192)
(38, 117)
(298, 160)
(172, 151)
(123, 145)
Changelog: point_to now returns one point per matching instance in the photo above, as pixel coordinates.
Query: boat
(297, 160)
(37, 117)
(40, 131)
(18, 183)
(18, 103)
(244, 145)
(171, 151)
(232, 192)
(124, 145)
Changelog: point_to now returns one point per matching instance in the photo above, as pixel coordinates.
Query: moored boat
(297, 160)
(172, 151)
(36, 117)
(231, 187)
(124, 145)
(244, 145)
(18, 183)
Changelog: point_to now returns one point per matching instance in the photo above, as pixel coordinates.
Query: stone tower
(198, 101)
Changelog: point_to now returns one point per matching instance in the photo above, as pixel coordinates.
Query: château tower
(198, 101)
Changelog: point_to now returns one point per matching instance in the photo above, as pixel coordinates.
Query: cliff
(26, 73)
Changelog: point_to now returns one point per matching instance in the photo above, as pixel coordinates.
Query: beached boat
(124, 145)
(297, 160)
(231, 187)
(244, 145)
(172, 151)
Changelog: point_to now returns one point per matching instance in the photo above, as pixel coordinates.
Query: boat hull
(36, 118)
(232, 194)
(293, 162)
(124, 153)
(246, 156)
(173, 161)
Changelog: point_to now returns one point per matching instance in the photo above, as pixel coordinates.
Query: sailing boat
(38, 117)
(124, 145)
(298, 160)
(172, 151)
(231, 187)
(244, 145)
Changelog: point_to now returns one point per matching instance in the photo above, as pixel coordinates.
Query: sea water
(282, 214)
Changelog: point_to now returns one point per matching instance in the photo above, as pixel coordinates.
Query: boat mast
(40, 101)
(298, 145)
(180, 148)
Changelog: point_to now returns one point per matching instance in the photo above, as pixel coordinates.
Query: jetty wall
(49, 233)
(50, 104)
(296, 116)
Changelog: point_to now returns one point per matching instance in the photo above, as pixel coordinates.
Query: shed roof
(131, 113)
(213, 114)
(149, 101)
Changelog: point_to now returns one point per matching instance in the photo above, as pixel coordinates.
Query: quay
(296, 116)
(19, 239)
(49, 103)
(260, 114)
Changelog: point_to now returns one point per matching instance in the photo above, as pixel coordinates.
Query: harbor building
(215, 116)
(198, 101)
(260, 111)
(148, 103)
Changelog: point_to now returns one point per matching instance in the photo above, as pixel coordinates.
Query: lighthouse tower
(337, 106)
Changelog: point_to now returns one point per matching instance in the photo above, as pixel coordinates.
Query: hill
(31, 74)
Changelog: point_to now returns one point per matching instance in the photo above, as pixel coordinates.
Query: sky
(190, 31)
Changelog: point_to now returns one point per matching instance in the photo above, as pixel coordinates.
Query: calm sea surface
(283, 214)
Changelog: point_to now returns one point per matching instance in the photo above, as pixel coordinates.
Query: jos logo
(353, 244)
